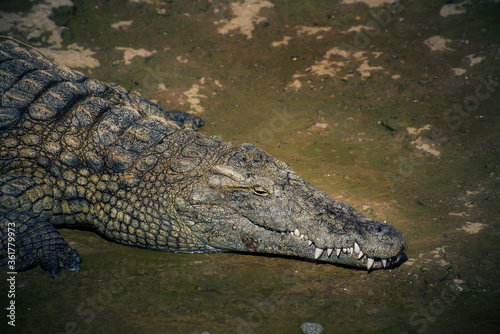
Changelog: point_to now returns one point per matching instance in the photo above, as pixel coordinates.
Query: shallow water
(410, 142)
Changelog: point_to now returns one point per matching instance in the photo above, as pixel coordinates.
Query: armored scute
(79, 152)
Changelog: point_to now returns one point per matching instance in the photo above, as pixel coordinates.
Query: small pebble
(312, 328)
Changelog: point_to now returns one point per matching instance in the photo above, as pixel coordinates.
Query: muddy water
(391, 108)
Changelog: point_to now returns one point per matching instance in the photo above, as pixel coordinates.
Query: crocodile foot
(28, 241)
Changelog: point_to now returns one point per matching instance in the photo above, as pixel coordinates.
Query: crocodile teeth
(329, 251)
(338, 251)
(360, 255)
(310, 242)
(384, 262)
(369, 263)
(356, 248)
(350, 250)
(318, 252)
(296, 233)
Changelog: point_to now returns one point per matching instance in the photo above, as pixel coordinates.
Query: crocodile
(78, 152)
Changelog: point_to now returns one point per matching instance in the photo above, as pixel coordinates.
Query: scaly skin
(78, 152)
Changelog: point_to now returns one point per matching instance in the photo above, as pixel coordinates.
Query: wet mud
(391, 107)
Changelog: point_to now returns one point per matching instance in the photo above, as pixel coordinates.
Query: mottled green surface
(364, 156)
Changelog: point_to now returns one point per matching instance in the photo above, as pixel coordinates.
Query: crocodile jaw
(350, 254)
(240, 234)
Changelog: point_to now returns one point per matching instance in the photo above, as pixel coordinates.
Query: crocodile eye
(261, 191)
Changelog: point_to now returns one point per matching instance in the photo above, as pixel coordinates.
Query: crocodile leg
(27, 238)
(34, 242)
(184, 120)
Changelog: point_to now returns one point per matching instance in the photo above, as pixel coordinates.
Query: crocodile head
(254, 203)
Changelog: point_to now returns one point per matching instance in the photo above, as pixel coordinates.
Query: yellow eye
(261, 191)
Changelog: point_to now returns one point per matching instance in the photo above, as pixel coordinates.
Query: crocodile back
(51, 113)
(76, 151)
